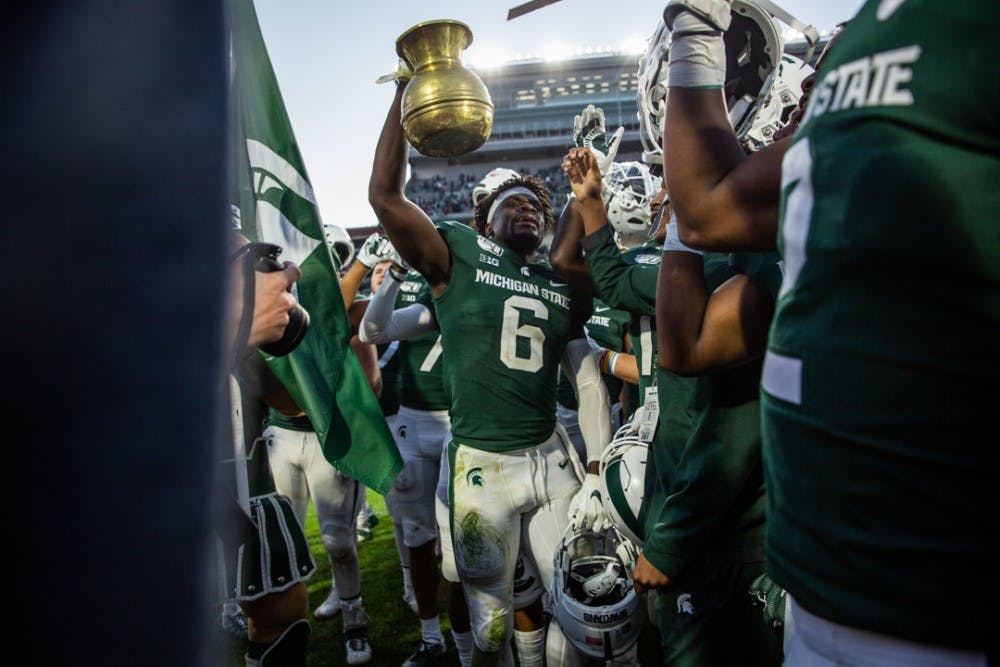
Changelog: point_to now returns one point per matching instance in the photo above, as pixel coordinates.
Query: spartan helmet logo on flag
(275, 182)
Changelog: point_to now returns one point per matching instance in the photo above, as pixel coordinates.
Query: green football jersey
(607, 327)
(715, 510)
(628, 281)
(421, 385)
(881, 378)
(504, 327)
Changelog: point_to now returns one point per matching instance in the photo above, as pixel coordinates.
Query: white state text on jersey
(520, 286)
(878, 80)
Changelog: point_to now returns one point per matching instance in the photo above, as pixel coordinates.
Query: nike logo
(558, 284)
(598, 309)
(563, 464)
(887, 8)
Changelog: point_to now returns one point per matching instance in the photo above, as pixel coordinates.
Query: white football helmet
(627, 188)
(491, 182)
(623, 476)
(340, 243)
(754, 49)
(651, 95)
(593, 598)
(782, 96)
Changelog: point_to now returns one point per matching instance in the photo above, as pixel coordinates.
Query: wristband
(673, 241)
(608, 359)
(697, 59)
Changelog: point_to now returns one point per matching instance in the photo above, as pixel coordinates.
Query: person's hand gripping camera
(271, 318)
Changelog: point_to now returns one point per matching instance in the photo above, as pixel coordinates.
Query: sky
(327, 55)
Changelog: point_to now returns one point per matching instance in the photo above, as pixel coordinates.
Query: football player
(628, 281)
(869, 408)
(302, 473)
(506, 325)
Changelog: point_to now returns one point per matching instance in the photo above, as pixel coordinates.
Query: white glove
(398, 259)
(712, 15)
(586, 510)
(589, 132)
(375, 249)
(402, 74)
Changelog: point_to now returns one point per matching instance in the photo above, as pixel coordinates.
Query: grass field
(393, 628)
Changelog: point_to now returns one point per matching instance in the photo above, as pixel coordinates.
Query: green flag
(277, 205)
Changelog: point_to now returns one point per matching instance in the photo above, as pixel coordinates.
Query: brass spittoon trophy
(446, 108)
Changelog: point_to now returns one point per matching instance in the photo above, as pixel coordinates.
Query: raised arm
(565, 253)
(407, 226)
(584, 176)
(375, 249)
(724, 199)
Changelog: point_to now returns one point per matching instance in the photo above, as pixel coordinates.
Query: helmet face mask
(593, 598)
(627, 189)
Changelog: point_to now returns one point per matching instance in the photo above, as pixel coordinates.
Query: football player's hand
(402, 74)
(584, 176)
(589, 132)
(375, 249)
(645, 576)
(398, 262)
(586, 510)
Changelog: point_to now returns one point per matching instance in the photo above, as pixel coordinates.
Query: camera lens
(298, 325)
(298, 317)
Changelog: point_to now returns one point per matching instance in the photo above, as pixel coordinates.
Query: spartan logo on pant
(684, 604)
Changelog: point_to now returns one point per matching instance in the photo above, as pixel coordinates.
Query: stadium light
(634, 45)
(486, 56)
(556, 52)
